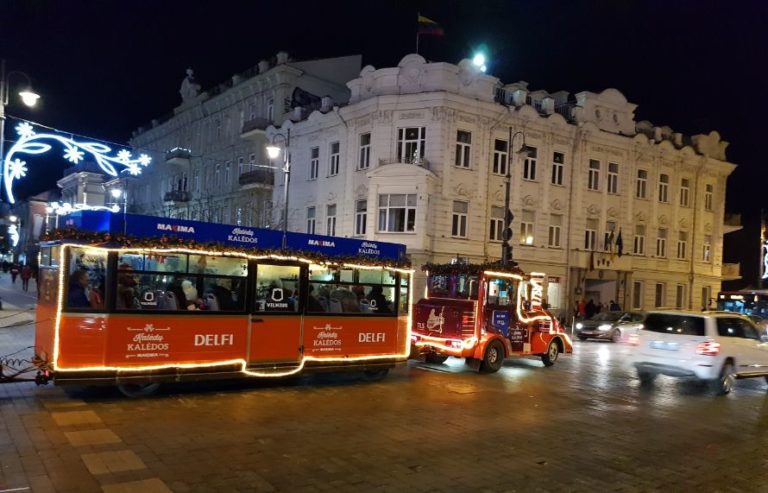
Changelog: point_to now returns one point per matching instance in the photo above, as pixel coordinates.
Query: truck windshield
(500, 292)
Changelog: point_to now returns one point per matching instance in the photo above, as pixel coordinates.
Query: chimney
(677, 138)
(548, 105)
(657, 134)
(263, 66)
(282, 57)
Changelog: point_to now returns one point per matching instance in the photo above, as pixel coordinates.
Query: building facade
(608, 207)
(209, 161)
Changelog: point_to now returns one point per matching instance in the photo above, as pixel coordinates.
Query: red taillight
(633, 340)
(709, 348)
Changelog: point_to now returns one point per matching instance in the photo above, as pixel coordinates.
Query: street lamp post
(116, 194)
(273, 151)
(506, 248)
(48, 211)
(28, 97)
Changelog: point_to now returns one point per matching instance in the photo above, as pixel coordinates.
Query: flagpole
(417, 42)
(418, 16)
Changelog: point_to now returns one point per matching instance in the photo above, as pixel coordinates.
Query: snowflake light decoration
(31, 142)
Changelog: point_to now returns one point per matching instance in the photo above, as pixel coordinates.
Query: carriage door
(275, 316)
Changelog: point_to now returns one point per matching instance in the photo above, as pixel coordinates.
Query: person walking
(590, 308)
(14, 272)
(26, 274)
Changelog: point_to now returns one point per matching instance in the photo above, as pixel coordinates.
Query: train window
(404, 298)
(218, 265)
(277, 288)
(176, 262)
(133, 261)
(350, 298)
(86, 279)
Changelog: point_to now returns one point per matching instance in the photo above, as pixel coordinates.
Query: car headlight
(604, 327)
(579, 326)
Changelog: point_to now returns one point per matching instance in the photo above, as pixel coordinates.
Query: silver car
(612, 326)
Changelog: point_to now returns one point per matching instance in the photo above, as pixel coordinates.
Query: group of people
(24, 271)
(587, 309)
(349, 300)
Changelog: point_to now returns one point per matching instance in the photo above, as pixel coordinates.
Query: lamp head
(116, 193)
(29, 97)
(49, 210)
(13, 218)
(273, 151)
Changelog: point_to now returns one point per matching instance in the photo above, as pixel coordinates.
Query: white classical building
(209, 160)
(419, 156)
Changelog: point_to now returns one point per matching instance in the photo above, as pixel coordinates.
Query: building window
(637, 295)
(685, 189)
(228, 173)
(663, 188)
(613, 178)
(270, 109)
(361, 216)
(706, 296)
(708, 193)
(497, 224)
(196, 180)
(593, 178)
(314, 162)
(330, 220)
(333, 162)
(526, 228)
(555, 223)
(364, 161)
(658, 299)
(661, 243)
(311, 220)
(397, 213)
(558, 163)
(639, 243)
(240, 165)
(609, 238)
(682, 245)
(679, 296)
(463, 148)
(706, 252)
(590, 234)
(459, 220)
(500, 157)
(641, 188)
(529, 166)
(217, 177)
(410, 144)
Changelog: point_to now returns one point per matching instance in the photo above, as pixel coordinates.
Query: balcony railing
(257, 177)
(732, 222)
(417, 161)
(178, 155)
(254, 126)
(177, 196)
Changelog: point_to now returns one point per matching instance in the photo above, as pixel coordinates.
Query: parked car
(717, 347)
(614, 326)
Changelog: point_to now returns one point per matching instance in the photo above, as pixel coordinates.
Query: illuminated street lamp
(28, 97)
(506, 248)
(116, 194)
(479, 61)
(273, 151)
(48, 211)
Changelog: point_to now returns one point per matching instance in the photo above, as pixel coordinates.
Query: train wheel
(493, 358)
(551, 355)
(138, 389)
(435, 358)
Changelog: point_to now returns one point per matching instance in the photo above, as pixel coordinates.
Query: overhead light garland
(473, 269)
(30, 142)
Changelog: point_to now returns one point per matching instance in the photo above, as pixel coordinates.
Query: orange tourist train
(136, 300)
(485, 313)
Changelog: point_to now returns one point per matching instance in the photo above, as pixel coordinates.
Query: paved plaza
(583, 425)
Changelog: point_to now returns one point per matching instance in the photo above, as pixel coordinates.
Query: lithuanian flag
(429, 27)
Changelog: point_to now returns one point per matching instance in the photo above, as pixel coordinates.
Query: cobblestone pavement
(582, 425)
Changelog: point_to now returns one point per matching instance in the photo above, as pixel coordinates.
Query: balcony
(254, 127)
(256, 178)
(178, 156)
(731, 223)
(416, 161)
(731, 272)
(177, 196)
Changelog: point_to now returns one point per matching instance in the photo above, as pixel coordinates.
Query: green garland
(126, 241)
(471, 269)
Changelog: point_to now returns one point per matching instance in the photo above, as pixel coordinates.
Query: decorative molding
(593, 210)
(529, 201)
(708, 228)
(662, 219)
(640, 216)
(411, 115)
(556, 205)
(612, 212)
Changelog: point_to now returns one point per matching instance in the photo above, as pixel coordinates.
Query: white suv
(715, 346)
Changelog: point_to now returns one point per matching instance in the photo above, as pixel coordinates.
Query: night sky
(106, 68)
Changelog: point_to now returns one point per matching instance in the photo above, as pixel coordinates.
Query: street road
(583, 425)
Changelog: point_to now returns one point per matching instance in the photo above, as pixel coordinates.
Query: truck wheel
(646, 377)
(724, 384)
(435, 358)
(138, 389)
(493, 358)
(551, 355)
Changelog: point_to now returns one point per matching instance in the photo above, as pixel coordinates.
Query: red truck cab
(484, 313)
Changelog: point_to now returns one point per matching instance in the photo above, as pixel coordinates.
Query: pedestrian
(583, 308)
(26, 274)
(14, 273)
(590, 309)
(6, 265)
(615, 306)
